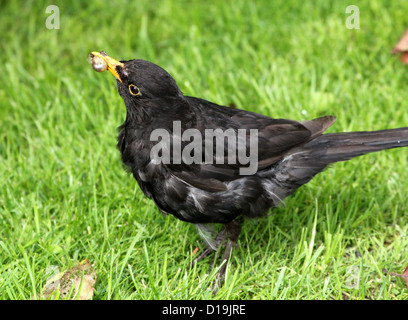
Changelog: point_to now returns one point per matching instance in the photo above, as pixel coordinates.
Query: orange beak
(101, 61)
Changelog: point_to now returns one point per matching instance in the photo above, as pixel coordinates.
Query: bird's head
(139, 82)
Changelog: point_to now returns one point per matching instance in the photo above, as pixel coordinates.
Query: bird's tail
(335, 147)
(302, 163)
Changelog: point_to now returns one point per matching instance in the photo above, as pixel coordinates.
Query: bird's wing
(275, 138)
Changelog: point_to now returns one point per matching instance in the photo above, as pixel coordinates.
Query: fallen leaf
(79, 279)
(404, 275)
(402, 47)
(404, 57)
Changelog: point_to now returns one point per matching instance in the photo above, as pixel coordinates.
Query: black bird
(289, 153)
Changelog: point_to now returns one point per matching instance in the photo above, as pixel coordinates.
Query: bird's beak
(101, 61)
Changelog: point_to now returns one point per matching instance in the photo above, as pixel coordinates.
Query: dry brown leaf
(404, 275)
(404, 57)
(71, 280)
(402, 47)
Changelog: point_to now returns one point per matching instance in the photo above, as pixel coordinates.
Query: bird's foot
(218, 242)
(233, 230)
(230, 231)
(207, 251)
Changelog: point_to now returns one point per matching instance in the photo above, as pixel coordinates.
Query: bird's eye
(134, 91)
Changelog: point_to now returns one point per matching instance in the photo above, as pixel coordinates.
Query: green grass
(64, 195)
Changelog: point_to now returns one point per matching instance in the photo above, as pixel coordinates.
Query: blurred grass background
(64, 195)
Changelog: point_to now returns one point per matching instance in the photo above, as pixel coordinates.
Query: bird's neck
(158, 110)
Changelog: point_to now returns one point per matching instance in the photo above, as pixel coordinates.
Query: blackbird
(288, 153)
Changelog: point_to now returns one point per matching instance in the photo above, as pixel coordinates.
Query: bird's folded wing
(274, 138)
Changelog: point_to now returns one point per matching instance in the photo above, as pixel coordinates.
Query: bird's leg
(215, 257)
(221, 237)
(233, 229)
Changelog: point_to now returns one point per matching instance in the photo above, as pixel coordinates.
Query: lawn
(65, 197)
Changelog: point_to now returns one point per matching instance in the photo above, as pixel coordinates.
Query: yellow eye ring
(134, 91)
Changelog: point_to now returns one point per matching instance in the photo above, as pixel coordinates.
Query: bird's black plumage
(290, 153)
